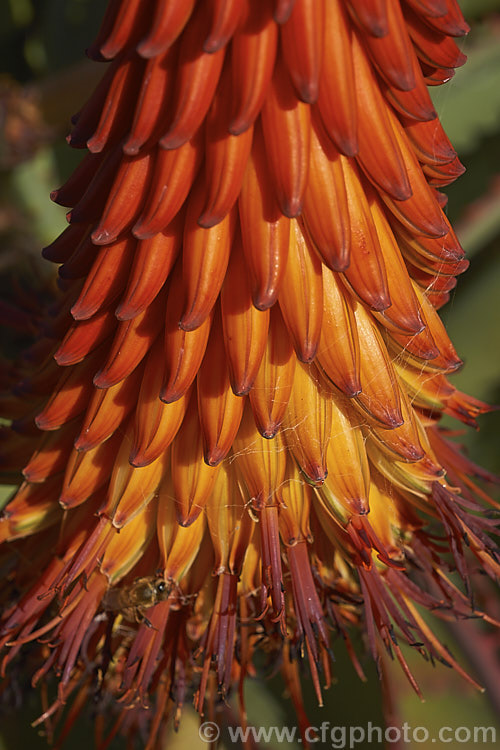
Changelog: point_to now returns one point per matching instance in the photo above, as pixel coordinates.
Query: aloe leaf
(469, 105)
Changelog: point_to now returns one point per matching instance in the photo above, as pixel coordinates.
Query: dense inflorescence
(228, 427)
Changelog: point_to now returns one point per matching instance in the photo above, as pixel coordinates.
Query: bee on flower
(229, 434)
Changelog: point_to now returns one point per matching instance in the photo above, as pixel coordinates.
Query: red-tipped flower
(231, 439)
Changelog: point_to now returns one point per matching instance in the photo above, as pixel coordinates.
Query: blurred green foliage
(40, 38)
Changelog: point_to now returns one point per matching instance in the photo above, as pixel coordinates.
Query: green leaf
(469, 105)
(32, 182)
(478, 8)
(472, 325)
(481, 223)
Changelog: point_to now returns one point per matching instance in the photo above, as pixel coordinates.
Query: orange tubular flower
(229, 434)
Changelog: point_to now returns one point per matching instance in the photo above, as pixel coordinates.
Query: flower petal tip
(171, 141)
(315, 474)
(208, 220)
(238, 126)
(141, 231)
(190, 322)
(102, 237)
(214, 457)
(101, 380)
(264, 299)
(169, 395)
(270, 432)
(291, 207)
(241, 389)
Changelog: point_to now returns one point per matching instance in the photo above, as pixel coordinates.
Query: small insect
(132, 601)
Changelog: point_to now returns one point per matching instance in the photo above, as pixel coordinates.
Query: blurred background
(44, 79)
